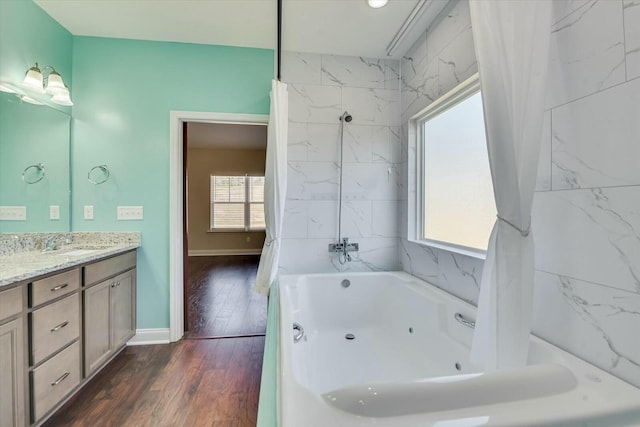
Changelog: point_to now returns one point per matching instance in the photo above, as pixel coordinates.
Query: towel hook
(105, 172)
(39, 167)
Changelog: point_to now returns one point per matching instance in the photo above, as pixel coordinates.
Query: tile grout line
(587, 281)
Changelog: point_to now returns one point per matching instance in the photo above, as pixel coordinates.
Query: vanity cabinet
(58, 330)
(109, 310)
(12, 358)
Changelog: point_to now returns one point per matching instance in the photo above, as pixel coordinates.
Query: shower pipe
(343, 247)
(345, 117)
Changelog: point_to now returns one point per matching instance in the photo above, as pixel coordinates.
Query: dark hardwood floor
(196, 381)
(188, 383)
(221, 300)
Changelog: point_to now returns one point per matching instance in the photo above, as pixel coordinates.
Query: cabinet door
(96, 325)
(123, 309)
(12, 367)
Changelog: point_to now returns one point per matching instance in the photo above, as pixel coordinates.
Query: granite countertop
(19, 266)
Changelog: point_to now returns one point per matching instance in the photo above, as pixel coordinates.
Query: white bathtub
(408, 364)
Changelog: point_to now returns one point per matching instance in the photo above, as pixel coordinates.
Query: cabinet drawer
(55, 286)
(54, 326)
(101, 270)
(10, 302)
(55, 379)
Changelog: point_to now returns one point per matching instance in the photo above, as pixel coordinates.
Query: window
(237, 203)
(456, 206)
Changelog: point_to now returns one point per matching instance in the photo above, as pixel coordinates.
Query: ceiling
(223, 135)
(341, 27)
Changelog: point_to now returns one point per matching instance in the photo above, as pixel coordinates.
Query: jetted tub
(387, 349)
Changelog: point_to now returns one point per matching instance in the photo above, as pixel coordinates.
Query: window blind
(237, 202)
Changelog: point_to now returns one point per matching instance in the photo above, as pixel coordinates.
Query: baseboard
(150, 336)
(222, 252)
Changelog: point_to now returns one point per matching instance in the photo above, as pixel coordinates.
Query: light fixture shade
(33, 79)
(4, 87)
(55, 85)
(62, 98)
(376, 4)
(30, 100)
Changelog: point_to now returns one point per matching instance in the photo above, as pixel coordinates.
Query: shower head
(346, 117)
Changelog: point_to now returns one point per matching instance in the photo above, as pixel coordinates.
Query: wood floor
(188, 383)
(196, 381)
(221, 300)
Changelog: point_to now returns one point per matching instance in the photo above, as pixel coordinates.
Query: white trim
(150, 336)
(220, 252)
(420, 18)
(176, 119)
(464, 90)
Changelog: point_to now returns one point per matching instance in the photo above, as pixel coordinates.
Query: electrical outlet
(248, 239)
(88, 211)
(129, 213)
(13, 213)
(54, 212)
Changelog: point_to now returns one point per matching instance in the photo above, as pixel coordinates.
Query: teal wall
(123, 92)
(32, 134)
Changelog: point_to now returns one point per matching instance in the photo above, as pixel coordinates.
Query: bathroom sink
(78, 252)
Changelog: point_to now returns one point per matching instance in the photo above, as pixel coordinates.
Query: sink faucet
(50, 243)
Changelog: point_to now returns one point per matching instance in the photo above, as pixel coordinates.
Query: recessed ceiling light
(376, 4)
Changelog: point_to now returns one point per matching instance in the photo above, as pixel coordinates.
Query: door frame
(176, 195)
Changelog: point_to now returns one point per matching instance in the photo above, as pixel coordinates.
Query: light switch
(54, 212)
(128, 213)
(13, 213)
(88, 211)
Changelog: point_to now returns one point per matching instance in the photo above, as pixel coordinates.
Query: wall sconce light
(48, 81)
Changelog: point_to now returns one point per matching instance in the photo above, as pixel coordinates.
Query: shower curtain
(512, 48)
(275, 186)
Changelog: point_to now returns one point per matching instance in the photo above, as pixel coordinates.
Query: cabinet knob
(113, 285)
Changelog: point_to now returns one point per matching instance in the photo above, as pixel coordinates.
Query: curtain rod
(279, 36)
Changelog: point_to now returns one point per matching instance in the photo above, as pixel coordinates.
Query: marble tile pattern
(27, 260)
(631, 9)
(596, 139)
(593, 321)
(439, 61)
(321, 87)
(587, 51)
(586, 214)
(591, 234)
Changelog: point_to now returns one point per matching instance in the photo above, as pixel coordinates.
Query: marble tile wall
(586, 215)
(321, 87)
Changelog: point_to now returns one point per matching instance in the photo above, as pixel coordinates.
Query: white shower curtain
(275, 186)
(512, 48)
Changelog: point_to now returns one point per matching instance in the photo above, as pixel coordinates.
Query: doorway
(224, 228)
(177, 247)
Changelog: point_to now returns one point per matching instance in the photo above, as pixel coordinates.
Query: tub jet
(350, 337)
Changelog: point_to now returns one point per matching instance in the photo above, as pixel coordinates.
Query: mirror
(34, 167)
